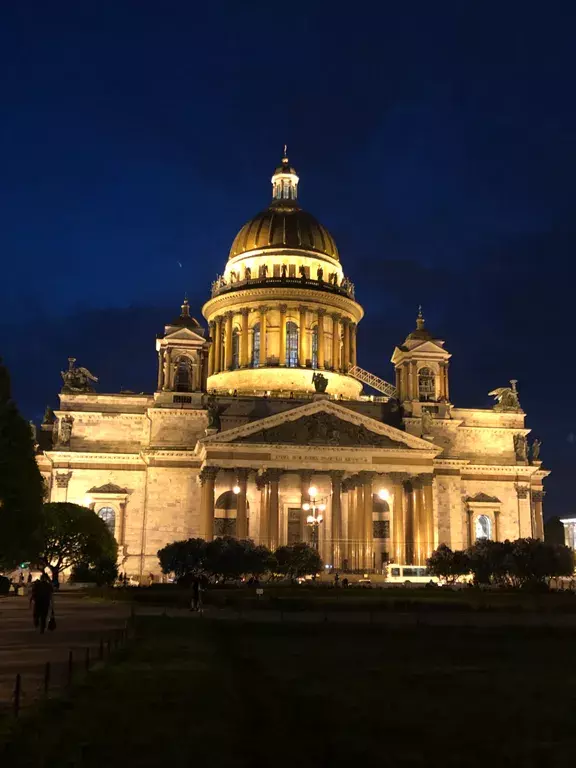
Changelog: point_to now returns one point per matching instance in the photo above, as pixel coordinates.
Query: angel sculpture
(506, 397)
(77, 379)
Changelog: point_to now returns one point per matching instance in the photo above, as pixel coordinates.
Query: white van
(409, 574)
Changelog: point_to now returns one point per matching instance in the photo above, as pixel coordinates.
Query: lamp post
(315, 508)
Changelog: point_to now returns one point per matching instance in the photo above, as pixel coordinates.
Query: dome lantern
(285, 180)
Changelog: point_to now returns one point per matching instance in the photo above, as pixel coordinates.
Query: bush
(4, 585)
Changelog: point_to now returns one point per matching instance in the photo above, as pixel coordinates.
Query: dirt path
(80, 624)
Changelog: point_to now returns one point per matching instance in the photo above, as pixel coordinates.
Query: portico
(371, 515)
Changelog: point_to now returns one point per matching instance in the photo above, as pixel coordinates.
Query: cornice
(238, 299)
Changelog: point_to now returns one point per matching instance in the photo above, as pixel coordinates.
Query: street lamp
(315, 518)
(383, 494)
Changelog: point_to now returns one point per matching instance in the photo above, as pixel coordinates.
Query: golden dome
(284, 225)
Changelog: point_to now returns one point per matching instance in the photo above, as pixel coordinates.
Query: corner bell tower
(421, 364)
(182, 357)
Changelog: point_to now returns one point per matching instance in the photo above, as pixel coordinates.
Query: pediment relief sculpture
(321, 429)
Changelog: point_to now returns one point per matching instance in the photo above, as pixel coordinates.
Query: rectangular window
(381, 529)
(181, 399)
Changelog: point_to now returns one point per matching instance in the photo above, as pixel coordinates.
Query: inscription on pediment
(321, 429)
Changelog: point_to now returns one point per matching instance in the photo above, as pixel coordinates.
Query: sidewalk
(80, 624)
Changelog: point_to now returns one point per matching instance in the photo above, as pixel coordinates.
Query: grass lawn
(196, 692)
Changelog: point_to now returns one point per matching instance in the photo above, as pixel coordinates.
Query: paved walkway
(80, 624)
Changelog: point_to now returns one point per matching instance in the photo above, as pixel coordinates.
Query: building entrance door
(294, 525)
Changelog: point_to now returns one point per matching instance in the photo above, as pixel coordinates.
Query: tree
(230, 558)
(554, 531)
(183, 558)
(101, 572)
(297, 560)
(449, 565)
(534, 561)
(72, 534)
(21, 487)
(490, 560)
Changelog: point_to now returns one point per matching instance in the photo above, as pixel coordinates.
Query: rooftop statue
(506, 398)
(320, 383)
(77, 379)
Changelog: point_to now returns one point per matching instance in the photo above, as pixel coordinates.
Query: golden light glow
(236, 489)
(306, 507)
(383, 494)
(312, 491)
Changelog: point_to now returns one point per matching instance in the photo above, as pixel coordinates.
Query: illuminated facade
(266, 402)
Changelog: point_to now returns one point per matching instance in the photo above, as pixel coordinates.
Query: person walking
(41, 596)
(195, 595)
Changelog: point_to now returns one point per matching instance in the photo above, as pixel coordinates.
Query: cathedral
(261, 427)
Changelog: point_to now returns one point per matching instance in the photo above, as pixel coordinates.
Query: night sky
(435, 140)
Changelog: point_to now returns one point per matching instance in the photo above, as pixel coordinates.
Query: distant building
(268, 403)
(569, 524)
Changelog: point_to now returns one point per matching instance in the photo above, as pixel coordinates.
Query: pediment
(323, 423)
(483, 498)
(110, 488)
(185, 334)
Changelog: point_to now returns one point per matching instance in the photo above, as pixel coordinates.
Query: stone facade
(236, 434)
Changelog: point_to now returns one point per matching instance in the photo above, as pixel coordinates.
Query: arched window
(483, 527)
(426, 384)
(315, 347)
(235, 348)
(108, 514)
(256, 346)
(183, 380)
(291, 344)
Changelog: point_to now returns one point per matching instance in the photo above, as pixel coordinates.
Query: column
(397, 554)
(414, 380)
(351, 535)
(263, 333)
(359, 531)
(429, 544)
(204, 369)
(218, 346)
(211, 331)
(160, 367)
(274, 507)
(446, 387)
(244, 340)
(419, 521)
(335, 341)
(241, 506)
(496, 525)
(346, 349)
(353, 356)
(469, 527)
(207, 479)
(283, 308)
(262, 486)
(166, 371)
(321, 356)
(367, 519)
(305, 482)
(302, 338)
(337, 548)
(409, 523)
(228, 342)
(538, 498)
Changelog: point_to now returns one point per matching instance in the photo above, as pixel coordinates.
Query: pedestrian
(41, 596)
(336, 580)
(195, 606)
(22, 577)
(345, 582)
(29, 577)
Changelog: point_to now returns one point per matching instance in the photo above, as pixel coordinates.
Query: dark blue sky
(435, 140)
